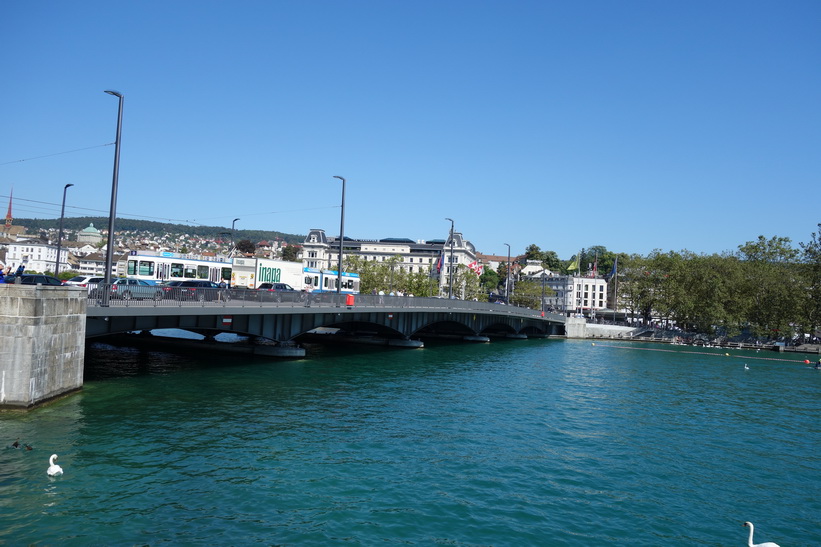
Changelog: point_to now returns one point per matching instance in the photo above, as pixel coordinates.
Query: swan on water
(750, 540)
(53, 468)
(746, 367)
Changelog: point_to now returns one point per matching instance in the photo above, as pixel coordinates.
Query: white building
(572, 294)
(36, 256)
(320, 251)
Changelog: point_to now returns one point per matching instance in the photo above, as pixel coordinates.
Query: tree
(811, 268)
(489, 280)
(290, 252)
(528, 294)
(772, 283)
(245, 246)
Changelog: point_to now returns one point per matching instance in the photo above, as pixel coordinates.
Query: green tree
(527, 294)
(245, 246)
(489, 280)
(290, 252)
(772, 283)
(811, 301)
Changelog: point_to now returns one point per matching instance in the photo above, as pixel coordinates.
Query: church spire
(9, 218)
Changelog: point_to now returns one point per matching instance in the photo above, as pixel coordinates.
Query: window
(177, 270)
(146, 268)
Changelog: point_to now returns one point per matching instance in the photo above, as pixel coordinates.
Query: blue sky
(635, 125)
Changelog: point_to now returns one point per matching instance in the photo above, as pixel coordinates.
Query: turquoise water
(538, 442)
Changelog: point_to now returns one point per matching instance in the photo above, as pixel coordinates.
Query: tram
(317, 280)
(239, 272)
(173, 267)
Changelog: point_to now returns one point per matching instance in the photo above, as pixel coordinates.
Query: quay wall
(42, 343)
(578, 327)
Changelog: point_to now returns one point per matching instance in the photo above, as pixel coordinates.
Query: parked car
(200, 290)
(34, 279)
(88, 281)
(278, 292)
(275, 287)
(136, 289)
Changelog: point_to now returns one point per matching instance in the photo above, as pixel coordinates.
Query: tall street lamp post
(233, 241)
(109, 255)
(507, 281)
(450, 268)
(60, 232)
(341, 235)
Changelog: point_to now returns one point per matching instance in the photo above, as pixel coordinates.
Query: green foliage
(245, 246)
(290, 253)
(527, 294)
(34, 225)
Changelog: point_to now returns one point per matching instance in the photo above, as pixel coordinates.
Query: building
(36, 256)
(320, 251)
(572, 294)
(90, 235)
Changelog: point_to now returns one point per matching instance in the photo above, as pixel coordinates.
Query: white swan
(53, 468)
(746, 367)
(750, 540)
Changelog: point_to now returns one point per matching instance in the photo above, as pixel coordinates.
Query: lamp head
(340, 178)
(67, 185)
(115, 93)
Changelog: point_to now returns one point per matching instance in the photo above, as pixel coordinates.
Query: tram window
(226, 273)
(177, 270)
(202, 272)
(146, 268)
(131, 269)
(190, 271)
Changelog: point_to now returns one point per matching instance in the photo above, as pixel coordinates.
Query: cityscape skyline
(633, 126)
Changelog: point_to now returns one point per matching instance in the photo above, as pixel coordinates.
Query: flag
(440, 262)
(575, 265)
(614, 271)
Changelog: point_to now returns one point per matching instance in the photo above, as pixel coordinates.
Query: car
(278, 292)
(137, 289)
(275, 287)
(34, 279)
(89, 281)
(199, 289)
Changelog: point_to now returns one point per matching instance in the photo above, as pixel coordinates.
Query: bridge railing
(165, 297)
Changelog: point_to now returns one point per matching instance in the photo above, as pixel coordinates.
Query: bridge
(279, 319)
(43, 329)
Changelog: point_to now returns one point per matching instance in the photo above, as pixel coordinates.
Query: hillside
(35, 225)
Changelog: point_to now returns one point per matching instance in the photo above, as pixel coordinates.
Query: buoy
(806, 361)
(727, 354)
(594, 343)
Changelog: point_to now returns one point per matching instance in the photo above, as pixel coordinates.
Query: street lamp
(109, 255)
(233, 242)
(60, 233)
(450, 280)
(507, 281)
(341, 235)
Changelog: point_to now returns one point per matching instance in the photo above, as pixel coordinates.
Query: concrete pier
(42, 343)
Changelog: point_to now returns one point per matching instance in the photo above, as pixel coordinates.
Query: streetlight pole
(109, 255)
(507, 281)
(450, 268)
(233, 242)
(60, 232)
(341, 236)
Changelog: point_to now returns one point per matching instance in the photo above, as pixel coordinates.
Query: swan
(53, 468)
(750, 540)
(746, 367)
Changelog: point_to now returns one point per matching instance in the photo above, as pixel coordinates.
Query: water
(510, 443)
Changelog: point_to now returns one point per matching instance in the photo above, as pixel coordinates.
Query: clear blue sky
(632, 124)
